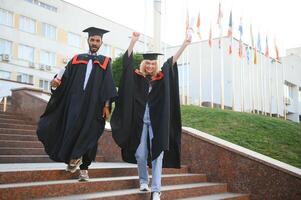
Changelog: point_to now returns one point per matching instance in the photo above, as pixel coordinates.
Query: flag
(276, 50)
(266, 47)
(258, 43)
(248, 54)
(198, 25)
(253, 46)
(219, 22)
(187, 20)
(210, 36)
(240, 29)
(230, 33)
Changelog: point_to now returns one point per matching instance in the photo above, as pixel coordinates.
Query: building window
(26, 53)
(118, 52)
(47, 58)
(44, 85)
(74, 40)
(43, 5)
(6, 17)
(5, 47)
(25, 78)
(27, 24)
(105, 50)
(49, 31)
(5, 75)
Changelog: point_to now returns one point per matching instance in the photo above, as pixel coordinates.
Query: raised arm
(186, 42)
(135, 37)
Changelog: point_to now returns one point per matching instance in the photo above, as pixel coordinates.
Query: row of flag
(230, 36)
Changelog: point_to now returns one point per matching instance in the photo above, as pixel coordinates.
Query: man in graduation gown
(146, 122)
(75, 115)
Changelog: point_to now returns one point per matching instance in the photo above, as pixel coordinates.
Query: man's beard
(91, 49)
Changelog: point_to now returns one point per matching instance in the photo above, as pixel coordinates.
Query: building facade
(39, 37)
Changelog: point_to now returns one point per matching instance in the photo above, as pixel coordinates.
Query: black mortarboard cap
(151, 56)
(95, 31)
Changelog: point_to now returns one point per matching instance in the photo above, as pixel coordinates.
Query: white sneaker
(155, 195)
(83, 175)
(144, 187)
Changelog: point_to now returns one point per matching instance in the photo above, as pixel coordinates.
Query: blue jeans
(142, 154)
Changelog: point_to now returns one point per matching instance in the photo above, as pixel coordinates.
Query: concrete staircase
(26, 172)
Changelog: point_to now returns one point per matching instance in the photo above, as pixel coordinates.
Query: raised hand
(135, 36)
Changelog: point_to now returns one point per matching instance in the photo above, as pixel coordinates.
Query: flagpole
(233, 83)
(270, 86)
(187, 76)
(241, 85)
(145, 19)
(277, 92)
(257, 83)
(222, 78)
(211, 65)
(200, 73)
(283, 83)
(262, 84)
(251, 87)
(250, 80)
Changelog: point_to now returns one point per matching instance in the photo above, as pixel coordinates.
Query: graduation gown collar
(100, 60)
(159, 76)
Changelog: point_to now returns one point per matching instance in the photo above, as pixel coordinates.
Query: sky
(276, 19)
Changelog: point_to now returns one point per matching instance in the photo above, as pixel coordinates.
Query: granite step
(71, 187)
(16, 121)
(11, 115)
(48, 173)
(17, 131)
(24, 158)
(21, 144)
(20, 137)
(32, 158)
(21, 151)
(169, 192)
(226, 196)
(18, 126)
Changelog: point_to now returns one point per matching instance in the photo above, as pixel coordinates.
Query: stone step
(18, 137)
(18, 126)
(226, 196)
(20, 173)
(24, 158)
(9, 115)
(70, 187)
(32, 158)
(169, 192)
(17, 131)
(21, 151)
(16, 121)
(21, 144)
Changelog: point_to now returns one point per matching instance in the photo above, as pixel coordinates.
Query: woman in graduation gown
(146, 122)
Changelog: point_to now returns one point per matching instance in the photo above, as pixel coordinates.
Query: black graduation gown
(164, 104)
(72, 122)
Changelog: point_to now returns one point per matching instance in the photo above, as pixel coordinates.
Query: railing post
(5, 104)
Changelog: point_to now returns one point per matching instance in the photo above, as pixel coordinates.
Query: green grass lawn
(273, 137)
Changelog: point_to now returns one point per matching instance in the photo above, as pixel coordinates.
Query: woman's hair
(142, 68)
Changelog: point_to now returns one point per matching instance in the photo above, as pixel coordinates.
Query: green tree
(117, 66)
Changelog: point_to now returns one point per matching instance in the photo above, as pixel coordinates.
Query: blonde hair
(142, 68)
